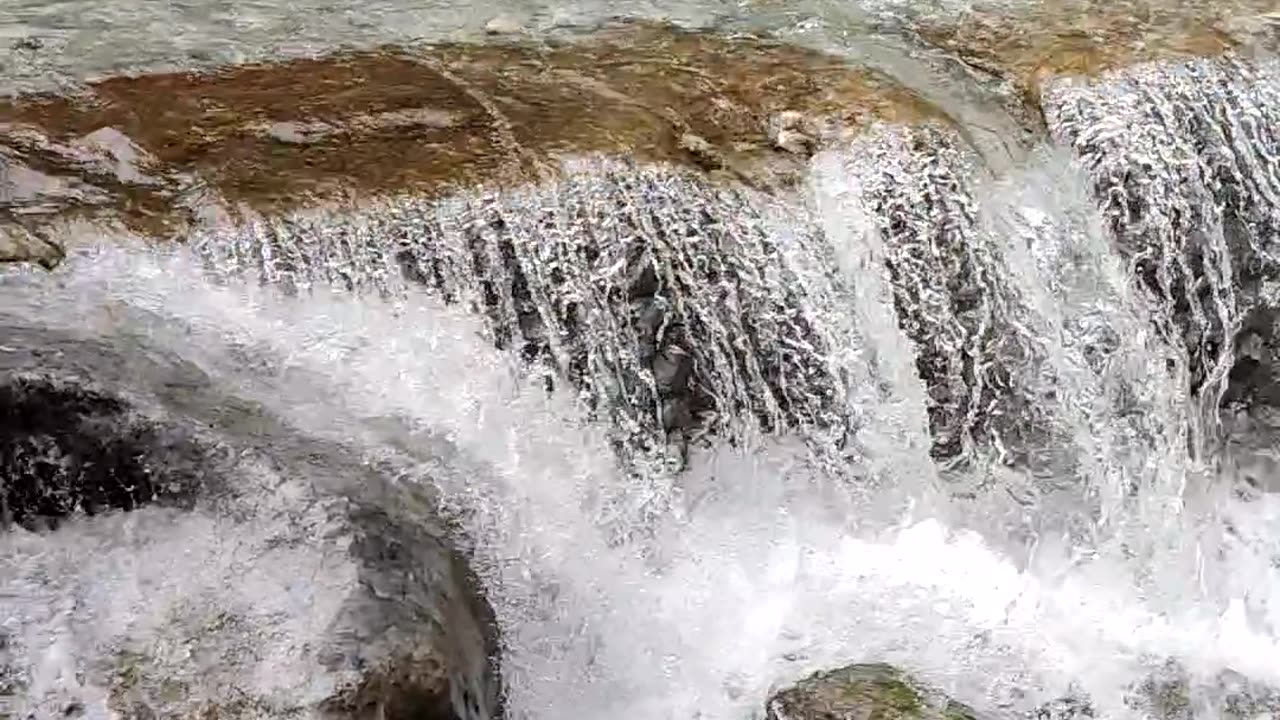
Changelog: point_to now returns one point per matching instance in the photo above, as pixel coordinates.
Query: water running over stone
(1184, 160)
(963, 424)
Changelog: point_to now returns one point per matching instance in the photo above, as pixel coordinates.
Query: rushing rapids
(1012, 432)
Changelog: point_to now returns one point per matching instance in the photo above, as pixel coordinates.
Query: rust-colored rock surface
(1029, 44)
(427, 120)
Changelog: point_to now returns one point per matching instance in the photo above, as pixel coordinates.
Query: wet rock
(503, 25)
(1060, 38)
(793, 132)
(703, 152)
(241, 569)
(30, 43)
(661, 298)
(67, 450)
(1018, 50)
(873, 692)
(119, 154)
(917, 187)
(429, 120)
(297, 133)
(1184, 197)
(18, 245)
(672, 368)
(80, 173)
(1255, 373)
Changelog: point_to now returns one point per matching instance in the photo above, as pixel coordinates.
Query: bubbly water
(707, 442)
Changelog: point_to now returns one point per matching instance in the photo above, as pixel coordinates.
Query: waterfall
(702, 440)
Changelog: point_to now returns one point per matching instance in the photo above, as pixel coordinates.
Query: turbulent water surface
(703, 442)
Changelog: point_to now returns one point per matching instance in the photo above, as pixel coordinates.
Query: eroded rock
(67, 450)
(660, 296)
(1059, 38)
(793, 132)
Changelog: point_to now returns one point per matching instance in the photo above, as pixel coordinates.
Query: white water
(1126, 555)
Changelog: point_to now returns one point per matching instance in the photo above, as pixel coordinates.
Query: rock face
(662, 298)
(1186, 196)
(18, 245)
(863, 692)
(174, 552)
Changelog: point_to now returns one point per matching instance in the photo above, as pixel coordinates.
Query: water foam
(764, 571)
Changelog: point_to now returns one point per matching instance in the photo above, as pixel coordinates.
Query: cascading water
(704, 442)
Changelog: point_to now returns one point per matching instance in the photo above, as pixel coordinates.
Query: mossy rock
(864, 692)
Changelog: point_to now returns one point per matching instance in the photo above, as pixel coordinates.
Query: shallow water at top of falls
(50, 45)
(1002, 586)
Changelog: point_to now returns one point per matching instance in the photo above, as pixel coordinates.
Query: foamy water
(1005, 587)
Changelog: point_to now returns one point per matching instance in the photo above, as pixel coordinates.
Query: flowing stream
(702, 442)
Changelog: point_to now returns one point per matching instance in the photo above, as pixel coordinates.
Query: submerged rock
(882, 692)
(1172, 694)
(863, 692)
(68, 450)
(1029, 44)
(666, 301)
(1180, 158)
(174, 552)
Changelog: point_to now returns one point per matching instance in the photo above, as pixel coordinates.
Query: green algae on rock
(864, 692)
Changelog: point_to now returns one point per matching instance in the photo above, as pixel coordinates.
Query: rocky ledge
(1029, 45)
(159, 152)
(425, 121)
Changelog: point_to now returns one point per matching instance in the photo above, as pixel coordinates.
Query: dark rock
(362, 604)
(672, 368)
(1187, 205)
(67, 449)
(30, 43)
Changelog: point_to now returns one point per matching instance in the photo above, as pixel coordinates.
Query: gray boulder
(170, 551)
